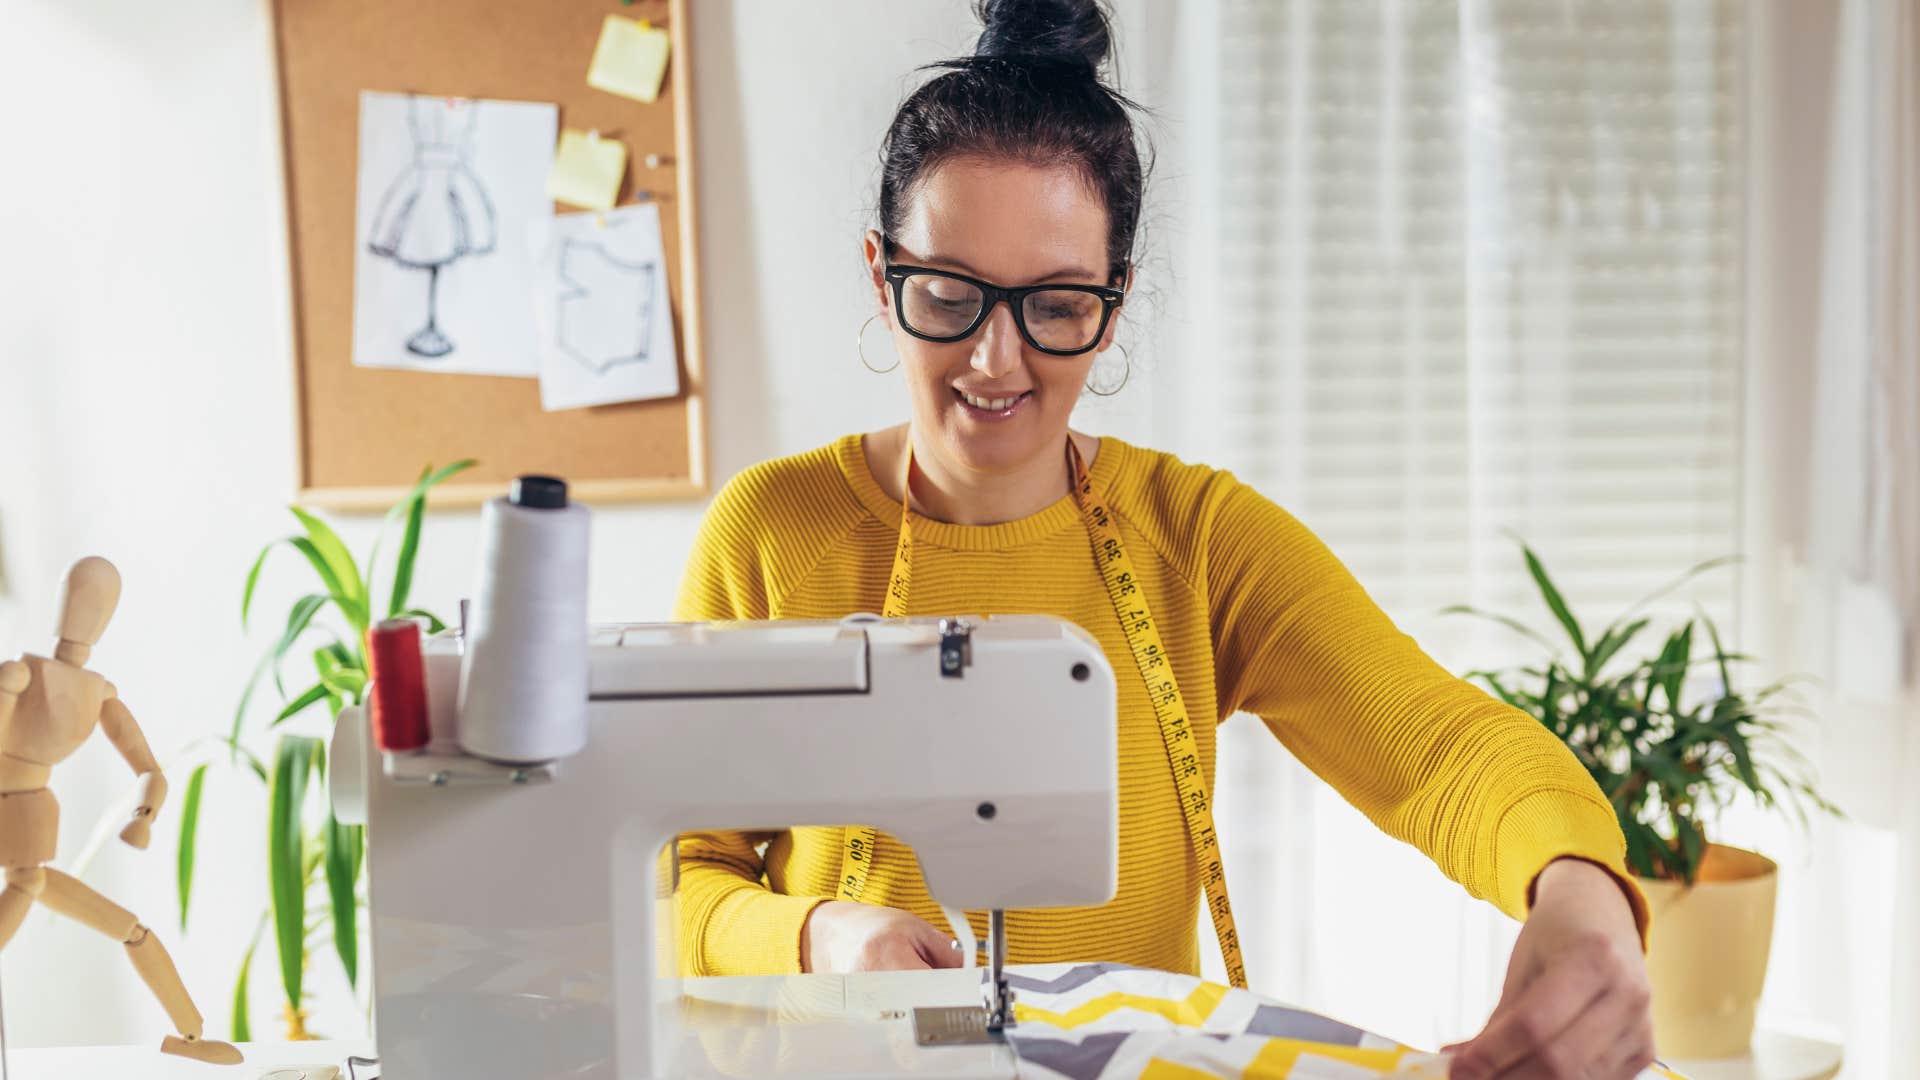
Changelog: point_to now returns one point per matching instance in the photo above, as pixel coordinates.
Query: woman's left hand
(1575, 1003)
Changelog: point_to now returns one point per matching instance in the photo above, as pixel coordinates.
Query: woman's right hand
(841, 936)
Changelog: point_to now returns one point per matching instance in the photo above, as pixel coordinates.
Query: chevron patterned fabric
(1114, 1022)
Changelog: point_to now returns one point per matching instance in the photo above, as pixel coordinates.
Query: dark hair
(1031, 91)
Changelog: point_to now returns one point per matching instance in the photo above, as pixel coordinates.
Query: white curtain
(1455, 269)
(1833, 481)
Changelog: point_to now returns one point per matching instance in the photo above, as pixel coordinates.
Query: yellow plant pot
(1707, 953)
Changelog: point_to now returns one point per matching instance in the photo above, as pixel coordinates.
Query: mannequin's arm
(125, 735)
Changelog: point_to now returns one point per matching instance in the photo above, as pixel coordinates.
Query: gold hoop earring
(860, 346)
(1127, 374)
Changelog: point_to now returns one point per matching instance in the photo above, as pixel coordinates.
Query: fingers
(1533, 1021)
(891, 953)
(1633, 1052)
(935, 945)
(1578, 1053)
(938, 952)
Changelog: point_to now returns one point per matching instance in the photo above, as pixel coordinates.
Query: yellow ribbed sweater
(1258, 616)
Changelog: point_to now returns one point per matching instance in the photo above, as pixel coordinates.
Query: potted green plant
(1671, 750)
(308, 852)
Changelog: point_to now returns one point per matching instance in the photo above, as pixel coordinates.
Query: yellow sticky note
(587, 170)
(630, 60)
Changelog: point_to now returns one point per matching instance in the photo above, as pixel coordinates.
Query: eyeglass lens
(943, 307)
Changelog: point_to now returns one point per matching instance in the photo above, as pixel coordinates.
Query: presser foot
(987, 1022)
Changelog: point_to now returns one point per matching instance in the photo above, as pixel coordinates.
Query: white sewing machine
(521, 916)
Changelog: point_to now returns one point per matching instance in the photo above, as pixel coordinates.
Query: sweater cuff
(1557, 823)
(757, 932)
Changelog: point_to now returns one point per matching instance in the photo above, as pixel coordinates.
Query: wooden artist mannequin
(48, 708)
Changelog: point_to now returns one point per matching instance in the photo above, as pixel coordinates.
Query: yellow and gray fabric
(1114, 1022)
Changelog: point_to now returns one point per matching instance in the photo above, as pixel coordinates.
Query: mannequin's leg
(68, 896)
(23, 888)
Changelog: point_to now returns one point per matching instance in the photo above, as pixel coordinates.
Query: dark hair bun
(1068, 32)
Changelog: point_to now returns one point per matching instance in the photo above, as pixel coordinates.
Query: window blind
(1478, 272)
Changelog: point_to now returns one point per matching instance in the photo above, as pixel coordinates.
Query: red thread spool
(399, 699)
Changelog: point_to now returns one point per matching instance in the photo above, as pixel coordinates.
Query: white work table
(795, 1026)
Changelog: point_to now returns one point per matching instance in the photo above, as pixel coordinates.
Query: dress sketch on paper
(605, 315)
(436, 212)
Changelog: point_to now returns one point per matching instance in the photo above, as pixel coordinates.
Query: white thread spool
(523, 681)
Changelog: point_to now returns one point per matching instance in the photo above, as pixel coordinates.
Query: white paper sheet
(600, 304)
(446, 188)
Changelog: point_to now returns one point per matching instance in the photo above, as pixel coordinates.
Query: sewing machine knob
(956, 647)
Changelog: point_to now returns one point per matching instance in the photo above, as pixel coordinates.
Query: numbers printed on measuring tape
(1163, 693)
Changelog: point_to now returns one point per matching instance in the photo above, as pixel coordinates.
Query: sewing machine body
(522, 918)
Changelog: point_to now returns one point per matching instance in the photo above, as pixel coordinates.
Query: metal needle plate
(952, 1025)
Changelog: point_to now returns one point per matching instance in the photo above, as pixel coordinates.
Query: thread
(969, 946)
(399, 692)
(523, 680)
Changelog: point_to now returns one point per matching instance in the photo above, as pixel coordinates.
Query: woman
(1010, 191)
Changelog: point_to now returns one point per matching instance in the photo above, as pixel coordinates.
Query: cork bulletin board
(365, 433)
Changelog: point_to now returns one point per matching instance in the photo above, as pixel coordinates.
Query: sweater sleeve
(1486, 791)
(729, 921)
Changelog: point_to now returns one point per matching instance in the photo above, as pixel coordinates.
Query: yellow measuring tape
(1149, 655)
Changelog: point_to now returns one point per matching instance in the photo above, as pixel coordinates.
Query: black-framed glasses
(942, 306)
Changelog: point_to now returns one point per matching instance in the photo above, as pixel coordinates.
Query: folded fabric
(1114, 1022)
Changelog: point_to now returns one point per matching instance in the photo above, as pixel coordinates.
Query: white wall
(146, 393)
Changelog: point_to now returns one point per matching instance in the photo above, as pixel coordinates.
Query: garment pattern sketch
(436, 211)
(605, 314)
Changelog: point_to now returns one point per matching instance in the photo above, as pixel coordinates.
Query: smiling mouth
(992, 404)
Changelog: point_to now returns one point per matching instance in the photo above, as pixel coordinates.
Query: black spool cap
(538, 492)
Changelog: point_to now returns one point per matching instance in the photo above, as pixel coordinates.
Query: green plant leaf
(1720, 656)
(1692, 572)
(321, 567)
(351, 600)
(345, 682)
(410, 540)
(298, 619)
(253, 578)
(1504, 620)
(342, 843)
(434, 623)
(1693, 844)
(445, 472)
(246, 695)
(429, 477)
(1673, 664)
(409, 548)
(242, 1013)
(286, 854)
(1611, 643)
(1743, 764)
(300, 704)
(334, 551)
(189, 828)
(1641, 843)
(1555, 602)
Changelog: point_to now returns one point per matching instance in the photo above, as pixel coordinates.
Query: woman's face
(1009, 224)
